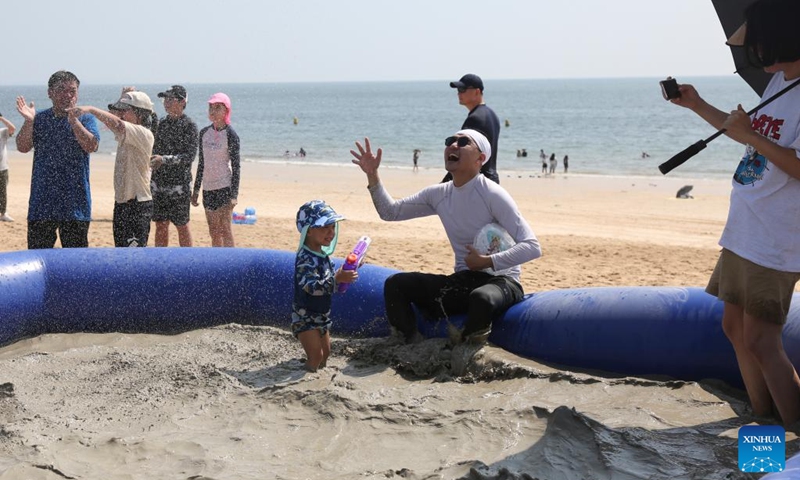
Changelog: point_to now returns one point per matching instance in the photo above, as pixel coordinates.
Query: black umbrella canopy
(731, 16)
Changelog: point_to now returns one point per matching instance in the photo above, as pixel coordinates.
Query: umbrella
(683, 192)
(731, 16)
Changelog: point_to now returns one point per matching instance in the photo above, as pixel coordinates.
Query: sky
(245, 41)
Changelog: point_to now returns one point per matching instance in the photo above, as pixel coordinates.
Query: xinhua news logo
(762, 449)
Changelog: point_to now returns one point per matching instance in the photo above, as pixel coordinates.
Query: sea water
(604, 125)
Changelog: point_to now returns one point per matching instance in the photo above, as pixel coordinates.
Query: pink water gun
(355, 259)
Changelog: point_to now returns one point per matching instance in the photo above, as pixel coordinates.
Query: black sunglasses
(462, 141)
(463, 89)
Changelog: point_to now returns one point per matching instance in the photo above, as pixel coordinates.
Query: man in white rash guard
(482, 286)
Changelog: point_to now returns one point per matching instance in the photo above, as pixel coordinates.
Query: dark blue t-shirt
(60, 177)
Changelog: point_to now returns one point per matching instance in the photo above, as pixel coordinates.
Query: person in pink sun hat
(218, 170)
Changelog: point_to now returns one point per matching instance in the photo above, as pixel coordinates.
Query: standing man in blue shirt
(60, 201)
(480, 118)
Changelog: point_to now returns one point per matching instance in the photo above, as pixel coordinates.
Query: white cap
(133, 99)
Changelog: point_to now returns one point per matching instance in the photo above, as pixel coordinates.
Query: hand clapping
(27, 111)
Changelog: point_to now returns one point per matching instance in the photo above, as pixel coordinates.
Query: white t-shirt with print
(764, 217)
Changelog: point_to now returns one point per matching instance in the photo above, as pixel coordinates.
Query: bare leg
(312, 343)
(219, 226)
(225, 227)
(184, 236)
(756, 386)
(326, 349)
(162, 234)
(212, 229)
(763, 342)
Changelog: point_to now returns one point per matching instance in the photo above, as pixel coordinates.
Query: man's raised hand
(27, 111)
(364, 158)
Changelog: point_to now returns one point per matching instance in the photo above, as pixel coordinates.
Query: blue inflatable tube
(630, 331)
(165, 291)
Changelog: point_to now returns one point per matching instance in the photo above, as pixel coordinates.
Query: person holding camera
(759, 265)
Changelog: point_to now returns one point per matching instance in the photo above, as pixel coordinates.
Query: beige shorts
(762, 292)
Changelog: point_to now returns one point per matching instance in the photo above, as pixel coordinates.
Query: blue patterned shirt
(313, 288)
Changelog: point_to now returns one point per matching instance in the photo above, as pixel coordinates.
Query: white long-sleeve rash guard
(464, 211)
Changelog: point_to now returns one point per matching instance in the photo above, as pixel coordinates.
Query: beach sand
(233, 401)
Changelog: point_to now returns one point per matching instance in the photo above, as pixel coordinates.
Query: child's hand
(346, 276)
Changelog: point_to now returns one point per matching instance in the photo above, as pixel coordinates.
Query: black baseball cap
(176, 91)
(469, 80)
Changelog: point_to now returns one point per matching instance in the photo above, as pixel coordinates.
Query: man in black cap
(173, 153)
(480, 118)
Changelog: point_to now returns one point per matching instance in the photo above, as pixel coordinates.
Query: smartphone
(669, 88)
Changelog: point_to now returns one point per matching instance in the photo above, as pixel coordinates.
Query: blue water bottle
(249, 216)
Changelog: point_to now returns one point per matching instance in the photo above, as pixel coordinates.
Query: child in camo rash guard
(315, 280)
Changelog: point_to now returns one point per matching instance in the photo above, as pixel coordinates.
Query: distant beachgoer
(759, 265)
(302, 152)
(60, 199)
(218, 170)
(315, 280)
(6, 131)
(133, 129)
(508, 124)
(519, 153)
(480, 118)
(464, 206)
(553, 163)
(173, 154)
(543, 158)
(566, 163)
(524, 153)
(645, 155)
(415, 159)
